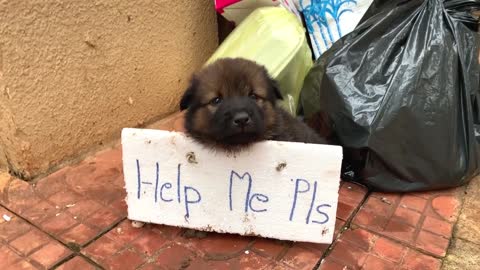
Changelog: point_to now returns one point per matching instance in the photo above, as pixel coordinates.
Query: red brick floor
(75, 218)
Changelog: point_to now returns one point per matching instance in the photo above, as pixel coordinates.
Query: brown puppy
(232, 103)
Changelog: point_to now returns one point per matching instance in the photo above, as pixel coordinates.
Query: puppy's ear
(275, 89)
(189, 94)
(273, 84)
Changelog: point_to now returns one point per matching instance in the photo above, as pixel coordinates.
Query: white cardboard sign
(281, 190)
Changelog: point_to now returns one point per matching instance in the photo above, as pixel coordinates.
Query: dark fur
(248, 95)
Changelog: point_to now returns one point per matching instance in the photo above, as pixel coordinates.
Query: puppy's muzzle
(241, 119)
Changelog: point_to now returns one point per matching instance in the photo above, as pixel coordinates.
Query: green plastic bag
(273, 37)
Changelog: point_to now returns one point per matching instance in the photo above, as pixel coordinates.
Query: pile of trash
(395, 82)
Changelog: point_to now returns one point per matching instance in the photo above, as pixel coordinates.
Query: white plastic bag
(237, 10)
(329, 20)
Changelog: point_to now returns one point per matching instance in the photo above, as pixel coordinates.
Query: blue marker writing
(311, 203)
(190, 201)
(248, 198)
(260, 198)
(325, 215)
(297, 191)
(167, 186)
(139, 180)
(248, 189)
(156, 184)
(178, 183)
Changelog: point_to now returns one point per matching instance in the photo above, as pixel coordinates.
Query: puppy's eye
(215, 101)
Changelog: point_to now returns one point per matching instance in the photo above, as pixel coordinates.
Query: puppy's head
(230, 103)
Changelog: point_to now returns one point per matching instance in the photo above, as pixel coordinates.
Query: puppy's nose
(241, 119)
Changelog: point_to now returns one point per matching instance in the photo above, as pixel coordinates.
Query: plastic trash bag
(401, 94)
(273, 37)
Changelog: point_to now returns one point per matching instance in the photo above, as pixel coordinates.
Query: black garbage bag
(401, 95)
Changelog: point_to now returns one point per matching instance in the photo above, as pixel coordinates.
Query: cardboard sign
(280, 190)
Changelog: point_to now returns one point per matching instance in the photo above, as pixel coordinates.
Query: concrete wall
(73, 73)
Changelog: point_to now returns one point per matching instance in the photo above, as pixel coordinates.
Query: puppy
(232, 103)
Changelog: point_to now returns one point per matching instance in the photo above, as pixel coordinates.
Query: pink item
(220, 4)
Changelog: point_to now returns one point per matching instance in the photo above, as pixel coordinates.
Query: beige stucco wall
(73, 73)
